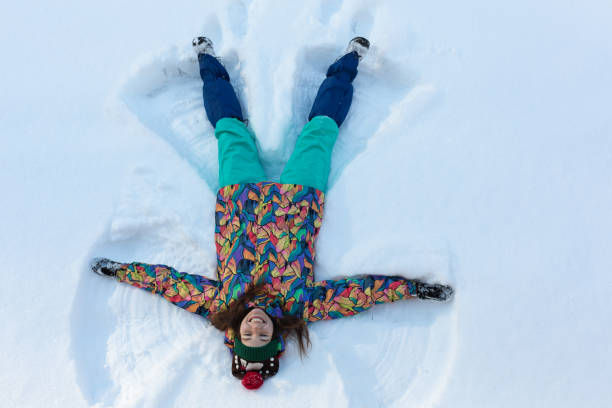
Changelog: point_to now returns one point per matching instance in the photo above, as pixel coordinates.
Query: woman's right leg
(238, 157)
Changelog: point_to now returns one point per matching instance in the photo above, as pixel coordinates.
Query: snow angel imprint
(265, 232)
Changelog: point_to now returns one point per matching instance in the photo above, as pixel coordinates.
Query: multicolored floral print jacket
(265, 234)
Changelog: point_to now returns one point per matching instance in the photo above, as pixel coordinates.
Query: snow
(478, 152)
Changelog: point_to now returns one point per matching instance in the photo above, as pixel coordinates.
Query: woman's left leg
(310, 162)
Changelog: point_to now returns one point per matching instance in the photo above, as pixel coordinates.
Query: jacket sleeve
(194, 293)
(333, 299)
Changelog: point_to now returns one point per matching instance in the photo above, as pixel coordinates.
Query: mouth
(256, 320)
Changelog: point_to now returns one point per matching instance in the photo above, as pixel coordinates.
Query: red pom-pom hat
(252, 380)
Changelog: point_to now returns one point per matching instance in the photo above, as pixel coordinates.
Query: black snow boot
(104, 266)
(203, 45)
(359, 45)
(441, 293)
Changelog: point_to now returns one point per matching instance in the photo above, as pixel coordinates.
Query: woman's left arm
(333, 299)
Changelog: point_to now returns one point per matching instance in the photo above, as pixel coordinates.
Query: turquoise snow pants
(309, 164)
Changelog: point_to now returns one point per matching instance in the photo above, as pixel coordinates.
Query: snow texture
(477, 152)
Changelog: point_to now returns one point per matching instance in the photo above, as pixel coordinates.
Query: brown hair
(286, 326)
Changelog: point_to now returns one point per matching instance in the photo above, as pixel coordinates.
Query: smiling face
(256, 328)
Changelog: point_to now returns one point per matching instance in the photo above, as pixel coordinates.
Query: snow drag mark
(165, 94)
(126, 340)
(154, 352)
(376, 343)
(91, 325)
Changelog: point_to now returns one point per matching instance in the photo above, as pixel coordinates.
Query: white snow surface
(477, 152)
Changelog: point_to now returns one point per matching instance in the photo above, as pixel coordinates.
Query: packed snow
(477, 152)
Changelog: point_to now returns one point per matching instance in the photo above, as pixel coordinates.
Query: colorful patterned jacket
(265, 234)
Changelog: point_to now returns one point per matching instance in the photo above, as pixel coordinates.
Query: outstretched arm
(194, 293)
(333, 299)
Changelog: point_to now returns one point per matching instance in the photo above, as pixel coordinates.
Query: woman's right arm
(194, 293)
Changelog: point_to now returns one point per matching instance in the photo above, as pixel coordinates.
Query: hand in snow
(441, 293)
(104, 266)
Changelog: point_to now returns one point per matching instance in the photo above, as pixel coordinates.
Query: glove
(441, 293)
(104, 266)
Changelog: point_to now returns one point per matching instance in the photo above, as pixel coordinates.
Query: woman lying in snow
(265, 233)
